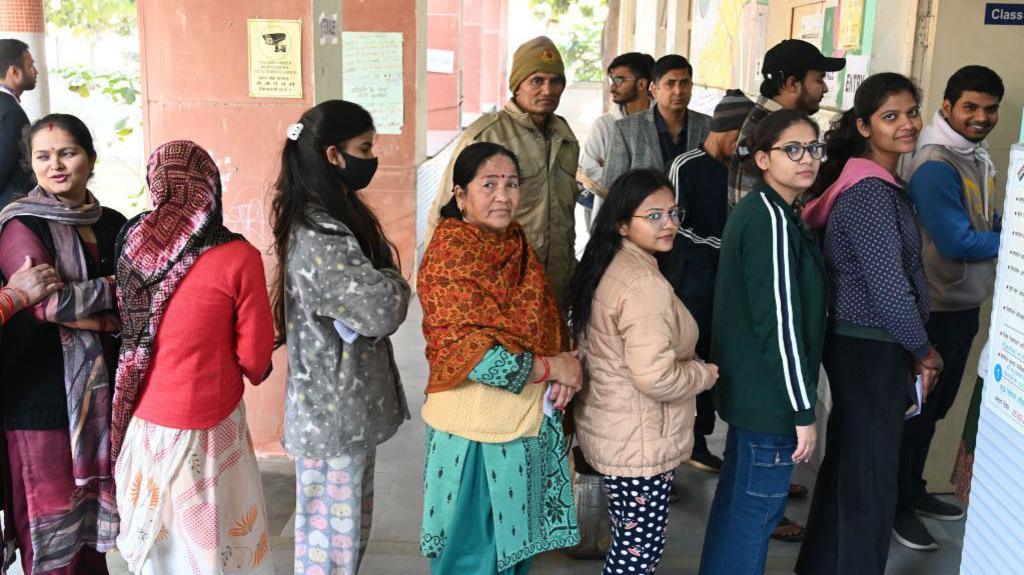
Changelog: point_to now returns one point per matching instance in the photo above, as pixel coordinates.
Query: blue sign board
(1005, 14)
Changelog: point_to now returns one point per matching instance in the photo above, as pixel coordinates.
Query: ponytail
(842, 142)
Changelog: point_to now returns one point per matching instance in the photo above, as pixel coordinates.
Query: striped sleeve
(686, 228)
(774, 300)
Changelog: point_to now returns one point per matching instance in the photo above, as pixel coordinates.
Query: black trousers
(952, 333)
(854, 505)
(704, 424)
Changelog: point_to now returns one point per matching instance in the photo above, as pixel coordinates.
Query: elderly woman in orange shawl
(497, 488)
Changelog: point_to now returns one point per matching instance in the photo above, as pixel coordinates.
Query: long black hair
(624, 197)
(467, 164)
(308, 182)
(843, 140)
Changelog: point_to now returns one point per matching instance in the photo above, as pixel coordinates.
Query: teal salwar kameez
(490, 507)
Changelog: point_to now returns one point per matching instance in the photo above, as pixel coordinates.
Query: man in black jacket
(18, 76)
(700, 178)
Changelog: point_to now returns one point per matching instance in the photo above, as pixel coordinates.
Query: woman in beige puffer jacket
(634, 416)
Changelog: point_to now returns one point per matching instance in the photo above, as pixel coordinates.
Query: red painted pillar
(393, 192)
(194, 63)
(24, 20)
(444, 19)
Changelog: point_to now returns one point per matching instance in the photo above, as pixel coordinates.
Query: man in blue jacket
(952, 182)
(18, 76)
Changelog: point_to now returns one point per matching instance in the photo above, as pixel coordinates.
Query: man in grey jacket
(653, 138)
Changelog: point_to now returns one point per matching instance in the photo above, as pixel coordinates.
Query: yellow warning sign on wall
(275, 58)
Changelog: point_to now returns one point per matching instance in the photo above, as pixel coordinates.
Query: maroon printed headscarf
(156, 250)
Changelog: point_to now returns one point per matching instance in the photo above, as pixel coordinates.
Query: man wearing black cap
(699, 178)
(794, 78)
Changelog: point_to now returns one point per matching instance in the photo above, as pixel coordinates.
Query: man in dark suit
(19, 73)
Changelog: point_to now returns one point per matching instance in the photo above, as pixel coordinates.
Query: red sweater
(217, 328)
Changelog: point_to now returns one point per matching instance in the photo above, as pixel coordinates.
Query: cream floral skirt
(191, 500)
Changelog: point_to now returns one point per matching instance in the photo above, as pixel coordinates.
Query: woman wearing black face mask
(336, 298)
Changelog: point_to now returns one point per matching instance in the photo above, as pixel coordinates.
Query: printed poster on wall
(851, 22)
(812, 27)
(1004, 383)
(371, 68)
(828, 48)
(275, 58)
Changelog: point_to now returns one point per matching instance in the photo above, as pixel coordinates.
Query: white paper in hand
(549, 406)
(918, 400)
(348, 335)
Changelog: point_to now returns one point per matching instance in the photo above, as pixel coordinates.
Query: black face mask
(357, 172)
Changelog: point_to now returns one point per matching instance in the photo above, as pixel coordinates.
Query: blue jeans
(749, 502)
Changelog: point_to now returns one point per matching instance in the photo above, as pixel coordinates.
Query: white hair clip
(293, 131)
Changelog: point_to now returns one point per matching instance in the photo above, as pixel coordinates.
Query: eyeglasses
(618, 80)
(675, 215)
(796, 151)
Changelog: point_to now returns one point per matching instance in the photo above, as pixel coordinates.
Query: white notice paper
(440, 61)
(371, 68)
(856, 70)
(1004, 383)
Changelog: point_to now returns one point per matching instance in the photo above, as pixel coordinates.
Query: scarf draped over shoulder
(92, 512)
(479, 289)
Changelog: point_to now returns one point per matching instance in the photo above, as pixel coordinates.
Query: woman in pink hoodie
(877, 343)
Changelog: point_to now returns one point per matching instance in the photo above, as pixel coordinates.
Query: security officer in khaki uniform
(547, 151)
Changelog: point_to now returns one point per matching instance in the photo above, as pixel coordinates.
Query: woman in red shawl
(497, 489)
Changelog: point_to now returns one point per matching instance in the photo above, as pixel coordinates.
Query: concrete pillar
(494, 55)
(23, 20)
(444, 21)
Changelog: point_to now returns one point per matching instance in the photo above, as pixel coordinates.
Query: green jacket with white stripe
(769, 317)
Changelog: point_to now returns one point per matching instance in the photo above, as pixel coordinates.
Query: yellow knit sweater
(484, 413)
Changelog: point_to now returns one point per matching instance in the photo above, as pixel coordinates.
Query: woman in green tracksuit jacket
(768, 329)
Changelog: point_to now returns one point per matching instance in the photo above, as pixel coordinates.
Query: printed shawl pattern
(87, 385)
(479, 289)
(156, 250)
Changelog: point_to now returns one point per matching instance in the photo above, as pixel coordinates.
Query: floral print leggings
(333, 512)
(638, 507)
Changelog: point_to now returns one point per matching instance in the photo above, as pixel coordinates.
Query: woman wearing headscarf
(57, 360)
(196, 320)
(496, 484)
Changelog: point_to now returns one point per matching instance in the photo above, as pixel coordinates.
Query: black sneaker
(931, 506)
(910, 532)
(705, 461)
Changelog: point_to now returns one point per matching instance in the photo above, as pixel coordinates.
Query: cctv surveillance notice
(275, 58)
(1004, 383)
